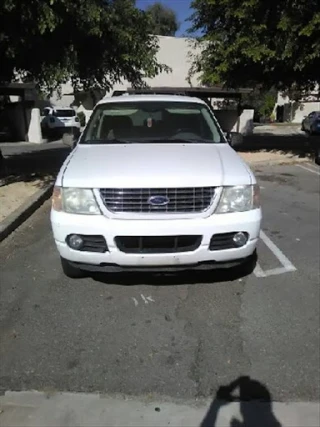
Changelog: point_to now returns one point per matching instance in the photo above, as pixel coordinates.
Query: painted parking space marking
(258, 271)
(309, 169)
(312, 166)
(287, 265)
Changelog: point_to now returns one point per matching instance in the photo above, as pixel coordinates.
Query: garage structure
(17, 103)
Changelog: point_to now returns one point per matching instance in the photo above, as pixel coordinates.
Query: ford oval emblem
(158, 201)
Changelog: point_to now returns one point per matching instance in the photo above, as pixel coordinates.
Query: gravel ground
(13, 195)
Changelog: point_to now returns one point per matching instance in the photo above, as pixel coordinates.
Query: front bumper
(64, 224)
(65, 127)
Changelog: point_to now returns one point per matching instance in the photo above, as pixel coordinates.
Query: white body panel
(64, 224)
(162, 165)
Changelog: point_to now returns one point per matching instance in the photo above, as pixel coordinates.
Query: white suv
(153, 184)
(60, 119)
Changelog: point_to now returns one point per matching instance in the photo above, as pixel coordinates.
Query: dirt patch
(13, 195)
(270, 157)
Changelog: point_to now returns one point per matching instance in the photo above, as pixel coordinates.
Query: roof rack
(199, 92)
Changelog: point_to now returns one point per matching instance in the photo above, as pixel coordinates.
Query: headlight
(241, 198)
(75, 201)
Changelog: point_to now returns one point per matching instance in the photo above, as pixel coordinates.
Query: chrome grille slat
(181, 200)
(137, 201)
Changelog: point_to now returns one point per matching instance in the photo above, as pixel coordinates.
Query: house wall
(34, 130)
(296, 111)
(246, 122)
(230, 121)
(175, 52)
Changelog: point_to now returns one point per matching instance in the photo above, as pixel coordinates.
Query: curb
(16, 218)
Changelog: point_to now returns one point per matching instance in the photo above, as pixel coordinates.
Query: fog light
(240, 239)
(75, 241)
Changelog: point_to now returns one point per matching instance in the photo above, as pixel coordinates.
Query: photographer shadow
(254, 400)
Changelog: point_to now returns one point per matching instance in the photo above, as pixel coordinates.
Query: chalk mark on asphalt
(146, 300)
(287, 265)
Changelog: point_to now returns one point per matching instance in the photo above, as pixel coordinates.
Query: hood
(155, 166)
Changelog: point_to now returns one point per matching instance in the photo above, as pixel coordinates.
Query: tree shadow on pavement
(255, 404)
(299, 145)
(39, 165)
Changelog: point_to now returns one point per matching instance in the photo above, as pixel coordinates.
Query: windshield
(64, 113)
(150, 121)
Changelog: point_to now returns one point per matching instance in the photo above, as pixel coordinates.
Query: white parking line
(287, 265)
(309, 169)
(312, 166)
(258, 271)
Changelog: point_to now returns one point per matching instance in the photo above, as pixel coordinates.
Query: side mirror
(235, 139)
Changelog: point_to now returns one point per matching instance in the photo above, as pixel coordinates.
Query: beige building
(177, 53)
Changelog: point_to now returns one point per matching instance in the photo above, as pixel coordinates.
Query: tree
(93, 43)
(164, 20)
(263, 102)
(254, 42)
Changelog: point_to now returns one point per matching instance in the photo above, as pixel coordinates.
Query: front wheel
(71, 271)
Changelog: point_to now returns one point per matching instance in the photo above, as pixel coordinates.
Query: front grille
(222, 241)
(176, 200)
(157, 244)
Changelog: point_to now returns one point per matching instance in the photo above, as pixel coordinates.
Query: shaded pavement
(30, 162)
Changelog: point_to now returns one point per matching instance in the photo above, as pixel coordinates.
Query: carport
(16, 114)
(237, 119)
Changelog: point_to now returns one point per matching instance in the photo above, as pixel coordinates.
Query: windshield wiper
(190, 141)
(109, 141)
(180, 140)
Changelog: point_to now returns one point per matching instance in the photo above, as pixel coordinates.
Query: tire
(51, 133)
(71, 271)
(46, 131)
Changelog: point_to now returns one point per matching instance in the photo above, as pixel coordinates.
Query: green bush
(263, 103)
(82, 118)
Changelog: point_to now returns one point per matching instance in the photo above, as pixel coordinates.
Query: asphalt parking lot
(173, 336)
